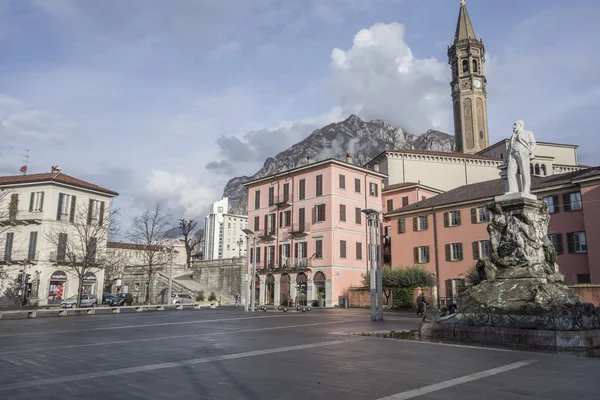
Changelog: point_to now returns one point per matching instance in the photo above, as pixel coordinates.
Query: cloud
(380, 78)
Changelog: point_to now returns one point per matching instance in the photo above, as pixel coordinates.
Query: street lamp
(170, 295)
(252, 302)
(376, 281)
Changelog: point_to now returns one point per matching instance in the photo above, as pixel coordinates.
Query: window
(61, 251)
(454, 252)
(285, 218)
(301, 189)
(404, 201)
(286, 192)
(359, 251)
(583, 279)
(478, 215)
(256, 199)
(36, 202)
(556, 240)
(342, 183)
(342, 213)
(271, 195)
(270, 224)
(401, 225)
(553, 206)
(319, 213)
(481, 249)
(342, 249)
(8, 244)
(390, 205)
(319, 248)
(301, 219)
(420, 223)
(452, 218)
(66, 207)
(357, 185)
(421, 254)
(576, 242)
(357, 216)
(32, 253)
(373, 189)
(319, 185)
(257, 254)
(256, 223)
(572, 201)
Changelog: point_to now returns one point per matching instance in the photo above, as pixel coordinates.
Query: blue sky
(142, 95)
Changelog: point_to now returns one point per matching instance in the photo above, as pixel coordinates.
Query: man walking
(237, 299)
(421, 303)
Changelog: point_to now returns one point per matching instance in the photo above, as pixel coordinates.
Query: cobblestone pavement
(229, 354)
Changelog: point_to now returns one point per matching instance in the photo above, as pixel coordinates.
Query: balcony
(21, 217)
(300, 229)
(268, 234)
(19, 257)
(282, 201)
(299, 263)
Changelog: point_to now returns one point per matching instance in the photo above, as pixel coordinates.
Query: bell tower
(466, 56)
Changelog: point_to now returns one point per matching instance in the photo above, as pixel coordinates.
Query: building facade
(310, 230)
(466, 57)
(42, 217)
(223, 236)
(447, 234)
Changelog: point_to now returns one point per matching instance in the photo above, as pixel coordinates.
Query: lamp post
(249, 234)
(376, 280)
(170, 295)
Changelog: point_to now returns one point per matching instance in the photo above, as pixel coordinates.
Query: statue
(520, 152)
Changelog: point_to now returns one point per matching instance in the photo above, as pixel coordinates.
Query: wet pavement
(229, 354)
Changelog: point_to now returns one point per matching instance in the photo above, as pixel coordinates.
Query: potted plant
(321, 298)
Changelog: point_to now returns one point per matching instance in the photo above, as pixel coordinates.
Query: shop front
(57, 287)
(89, 283)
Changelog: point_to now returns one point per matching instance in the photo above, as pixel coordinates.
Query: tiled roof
(489, 189)
(54, 177)
(398, 186)
(441, 154)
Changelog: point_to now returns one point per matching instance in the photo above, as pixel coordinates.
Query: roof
(405, 185)
(57, 177)
(464, 27)
(506, 140)
(313, 165)
(436, 153)
(489, 189)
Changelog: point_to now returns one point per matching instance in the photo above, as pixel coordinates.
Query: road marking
(154, 367)
(457, 381)
(106, 328)
(33, 350)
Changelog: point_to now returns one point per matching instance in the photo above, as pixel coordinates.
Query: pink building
(447, 233)
(312, 235)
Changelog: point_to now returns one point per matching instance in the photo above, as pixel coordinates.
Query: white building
(40, 215)
(223, 236)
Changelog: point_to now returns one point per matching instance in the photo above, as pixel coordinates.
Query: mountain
(363, 140)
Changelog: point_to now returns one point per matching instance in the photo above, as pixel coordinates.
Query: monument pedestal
(522, 298)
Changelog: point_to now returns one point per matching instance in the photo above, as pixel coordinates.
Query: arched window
(319, 280)
(475, 66)
(543, 169)
(465, 66)
(537, 169)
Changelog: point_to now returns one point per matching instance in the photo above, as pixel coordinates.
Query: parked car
(87, 300)
(122, 299)
(107, 298)
(181, 298)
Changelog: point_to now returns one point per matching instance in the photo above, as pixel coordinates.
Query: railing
(300, 227)
(282, 200)
(54, 257)
(268, 232)
(300, 262)
(17, 257)
(21, 216)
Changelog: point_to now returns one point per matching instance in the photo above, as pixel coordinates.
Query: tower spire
(464, 27)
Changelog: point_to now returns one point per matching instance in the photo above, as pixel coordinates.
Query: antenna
(23, 169)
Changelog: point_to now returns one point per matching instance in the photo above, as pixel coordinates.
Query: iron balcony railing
(18, 257)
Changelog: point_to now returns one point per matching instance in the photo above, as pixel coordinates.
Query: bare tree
(113, 269)
(191, 238)
(81, 240)
(151, 232)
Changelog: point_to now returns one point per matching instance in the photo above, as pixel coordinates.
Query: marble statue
(521, 149)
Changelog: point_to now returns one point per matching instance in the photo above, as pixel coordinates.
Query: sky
(165, 101)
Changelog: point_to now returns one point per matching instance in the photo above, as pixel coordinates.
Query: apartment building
(310, 229)
(42, 220)
(223, 236)
(447, 233)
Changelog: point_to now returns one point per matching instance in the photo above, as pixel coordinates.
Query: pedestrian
(237, 299)
(421, 303)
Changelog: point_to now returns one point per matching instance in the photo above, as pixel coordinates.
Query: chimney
(349, 158)
(309, 160)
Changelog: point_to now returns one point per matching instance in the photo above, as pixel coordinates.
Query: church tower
(468, 85)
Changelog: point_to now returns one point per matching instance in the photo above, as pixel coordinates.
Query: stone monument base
(555, 340)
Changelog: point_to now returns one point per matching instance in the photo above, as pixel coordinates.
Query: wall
(223, 277)
(590, 195)
(590, 293)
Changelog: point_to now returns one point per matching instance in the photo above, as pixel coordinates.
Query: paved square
(229, 354)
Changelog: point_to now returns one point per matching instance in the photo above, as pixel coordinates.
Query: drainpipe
(437, 259)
